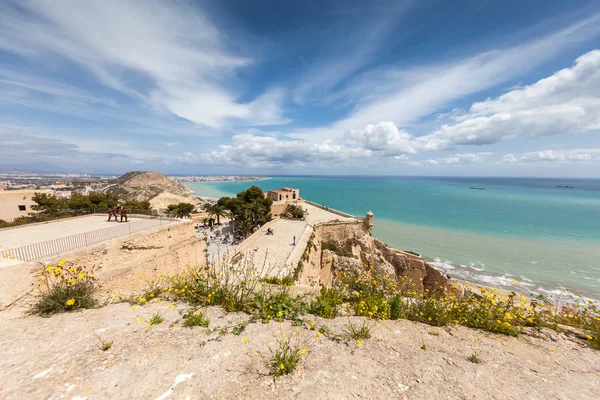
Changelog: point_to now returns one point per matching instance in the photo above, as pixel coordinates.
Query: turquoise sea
(523, 234)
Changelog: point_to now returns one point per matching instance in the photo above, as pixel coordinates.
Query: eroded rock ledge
(336, 244)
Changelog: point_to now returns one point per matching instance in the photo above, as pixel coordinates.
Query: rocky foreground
(59, 357)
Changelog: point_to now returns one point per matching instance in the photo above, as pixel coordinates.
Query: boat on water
(477, 188)
(564, 186)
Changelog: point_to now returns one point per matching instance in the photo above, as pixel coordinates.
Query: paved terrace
(277, 252)
(25, 235)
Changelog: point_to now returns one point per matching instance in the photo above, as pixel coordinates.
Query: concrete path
(275, 255)
(37, 233)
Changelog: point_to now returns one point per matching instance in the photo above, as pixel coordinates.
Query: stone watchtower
(368, 221)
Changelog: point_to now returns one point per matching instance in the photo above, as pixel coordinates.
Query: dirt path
(58, 357)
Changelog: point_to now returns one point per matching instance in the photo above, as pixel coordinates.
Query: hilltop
(150, 186)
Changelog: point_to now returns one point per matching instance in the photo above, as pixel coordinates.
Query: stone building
(17, 203)
(285, 194)
(281, 198)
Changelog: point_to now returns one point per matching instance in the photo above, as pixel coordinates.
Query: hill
(150, 186)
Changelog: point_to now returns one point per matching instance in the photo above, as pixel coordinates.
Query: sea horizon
(521, 234)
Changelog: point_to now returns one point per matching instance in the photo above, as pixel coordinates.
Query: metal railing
(54, 247)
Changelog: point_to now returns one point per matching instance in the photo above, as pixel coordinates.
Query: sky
(415, 87)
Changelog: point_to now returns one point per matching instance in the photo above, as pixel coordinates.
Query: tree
(293, 211)
(244, 227)
(256, 211)
(48, 202)
(181, 210)
(217, 211)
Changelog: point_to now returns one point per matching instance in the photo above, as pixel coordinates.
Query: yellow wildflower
(62, 262)
(588, 337)
(358, 343)
(49, 268)
(70, 302)
(81, 275)
(303, 351)
(139, 319)
(245, 340)
(281, 366)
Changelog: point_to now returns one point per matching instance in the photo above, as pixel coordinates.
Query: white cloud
(405, 95)
(509, 159)
(383, 138)
(167, 54)
(562, 156)
(567, 101)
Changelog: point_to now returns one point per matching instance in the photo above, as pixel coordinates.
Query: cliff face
(350, 243)
(154, 187)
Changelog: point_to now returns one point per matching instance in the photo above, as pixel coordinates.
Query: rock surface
(355, 246)
(59, 357)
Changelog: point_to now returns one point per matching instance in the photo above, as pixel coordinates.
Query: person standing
(293, 244)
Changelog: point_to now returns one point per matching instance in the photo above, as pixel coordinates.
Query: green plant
(325, 305)
(423, 346)
(239, 328)
(196, 318)
(287, 280)
(397, 307)
(474, 358)
(105, 345)
(359, 331)
(65, 289)
(181, 210)
(434, 333)
(156, 319)
(285, 358)
(277, 305)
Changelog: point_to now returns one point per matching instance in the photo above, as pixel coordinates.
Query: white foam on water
(443, 265)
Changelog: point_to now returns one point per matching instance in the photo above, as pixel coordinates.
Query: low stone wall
(165, 249)
(331, 210)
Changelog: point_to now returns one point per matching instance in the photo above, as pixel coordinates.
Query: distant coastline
(217, 178)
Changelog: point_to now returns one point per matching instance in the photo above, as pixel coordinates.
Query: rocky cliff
(154, 187)
(338, 244)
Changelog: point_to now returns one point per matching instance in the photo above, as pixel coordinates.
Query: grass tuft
(196, 318)
(156, 319)
(359, 331)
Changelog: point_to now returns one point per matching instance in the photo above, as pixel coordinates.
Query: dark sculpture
(116, 212)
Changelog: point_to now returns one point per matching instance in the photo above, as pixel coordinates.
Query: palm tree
(204, 221)
(244, 227)
(256, 211)
(217, 211)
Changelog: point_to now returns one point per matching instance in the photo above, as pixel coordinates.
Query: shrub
(196, 318)
(285, 358)
(65, 289)
(276, 305)
(293, 211)
(474, 358)
(287, 280)
(325, 305)
(397, 307)
(372, 305)
(359, 331)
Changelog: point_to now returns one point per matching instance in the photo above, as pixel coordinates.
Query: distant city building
(63, 194)
(17, 203)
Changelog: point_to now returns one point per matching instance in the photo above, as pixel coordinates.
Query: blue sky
(499, 87)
